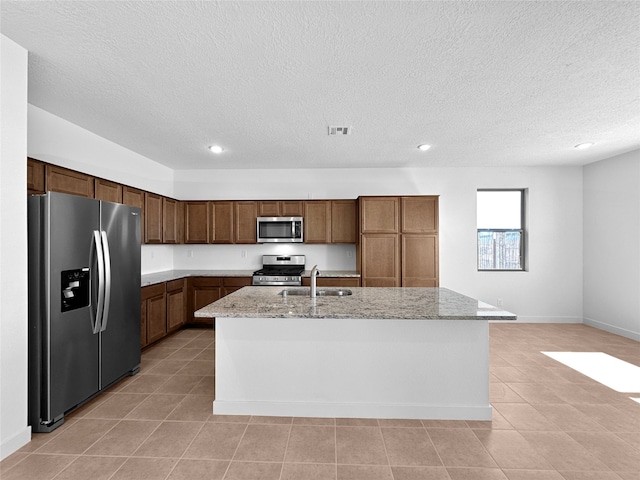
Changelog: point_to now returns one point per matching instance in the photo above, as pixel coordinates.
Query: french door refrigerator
(84, 301)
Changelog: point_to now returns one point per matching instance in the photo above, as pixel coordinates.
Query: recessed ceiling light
(216, 149)
(584, 146)
(424, 147)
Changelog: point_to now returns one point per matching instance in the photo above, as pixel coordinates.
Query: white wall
(612, 244)
(551, 289)
(14, 432)
(57, 141)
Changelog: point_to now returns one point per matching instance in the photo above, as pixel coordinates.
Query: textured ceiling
(485, 83)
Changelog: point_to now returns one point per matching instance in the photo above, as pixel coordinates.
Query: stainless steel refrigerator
(84, 302)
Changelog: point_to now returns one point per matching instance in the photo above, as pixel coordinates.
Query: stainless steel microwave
(279, 229)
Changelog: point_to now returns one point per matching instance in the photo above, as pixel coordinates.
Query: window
(500, 229)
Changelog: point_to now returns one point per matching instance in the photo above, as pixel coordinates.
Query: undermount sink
(320, 292)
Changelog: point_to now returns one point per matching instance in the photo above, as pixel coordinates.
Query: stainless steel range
(280, 270)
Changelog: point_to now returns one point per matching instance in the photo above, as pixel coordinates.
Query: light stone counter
(379, 353)
(168, 275)
(365, 303)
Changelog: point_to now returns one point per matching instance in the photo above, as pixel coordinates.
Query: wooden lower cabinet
(153, 309)
(203, 291)
(231, 284)
(333, 281)
(176, 304)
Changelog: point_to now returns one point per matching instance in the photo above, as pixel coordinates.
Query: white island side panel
(319, 367)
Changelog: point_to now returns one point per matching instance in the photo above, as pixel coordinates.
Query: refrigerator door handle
(98, 241)
(107, 280)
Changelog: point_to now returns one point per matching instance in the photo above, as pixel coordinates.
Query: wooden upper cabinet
(152, 218)
(107, 191)
(221, 222)
(280, 208)
(419, 214)
(197, 218)
(135, 198)
(379, 214)
(343, 221)
(35, 177)
(380, 254)
(419, 260)
(63, 180)
(172, 223)
(246, 213)
(317, 221)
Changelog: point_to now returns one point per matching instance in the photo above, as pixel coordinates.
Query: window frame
(522, 230)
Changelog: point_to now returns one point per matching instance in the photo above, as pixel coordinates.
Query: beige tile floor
(549, 423)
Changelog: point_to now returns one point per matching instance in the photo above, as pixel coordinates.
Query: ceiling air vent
(339, 130)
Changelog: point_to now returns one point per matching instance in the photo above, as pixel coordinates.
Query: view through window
(500, 229)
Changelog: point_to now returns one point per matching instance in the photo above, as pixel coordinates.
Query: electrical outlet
(190, 253)
(349, 254)
(243, 254)
(499, 303)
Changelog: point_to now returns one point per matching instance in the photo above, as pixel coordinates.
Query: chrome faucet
(314, 272)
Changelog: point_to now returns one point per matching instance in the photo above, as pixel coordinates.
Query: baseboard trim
(15, 443)
(623, 332)
(532, 319)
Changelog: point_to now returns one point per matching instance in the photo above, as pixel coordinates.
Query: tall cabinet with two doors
(398, 241)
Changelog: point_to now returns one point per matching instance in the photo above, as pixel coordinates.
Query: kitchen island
(378, 353)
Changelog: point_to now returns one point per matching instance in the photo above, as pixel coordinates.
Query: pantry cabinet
(398, 241)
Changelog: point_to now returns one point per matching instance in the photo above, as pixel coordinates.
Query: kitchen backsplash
(156, 258)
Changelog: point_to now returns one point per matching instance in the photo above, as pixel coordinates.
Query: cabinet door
(222, 222)
(152, 218)
(135, 198)
(343, 221)
(333, 281)
(291, 208)
(380, 260)
(419, 214)
(156, 311)
(35, 177)
(170, 221)
(269, 208)
(419, 260)
(317, 221)
(245, 222)
(379, 214)
(176, 304)
(108, 191)
(196, 222)
(204, 290)
(62, 180)
(231, 284)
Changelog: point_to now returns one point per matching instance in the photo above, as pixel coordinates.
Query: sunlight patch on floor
(610, 371)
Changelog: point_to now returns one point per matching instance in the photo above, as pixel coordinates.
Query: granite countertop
(168, 275)
(368, 303)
